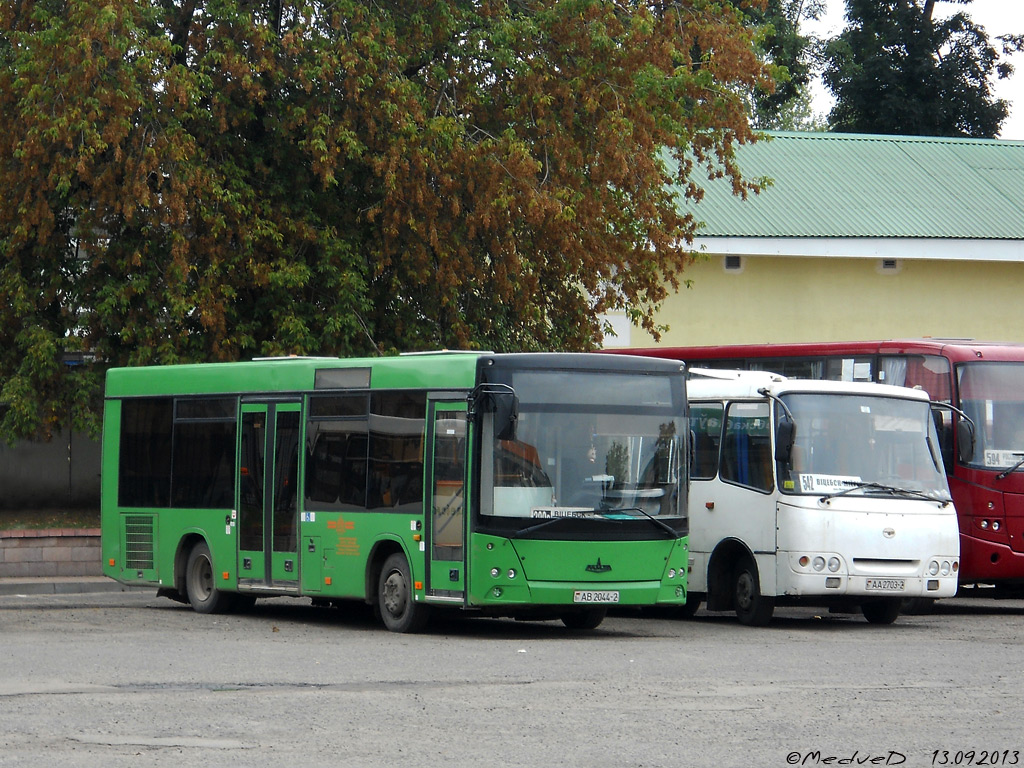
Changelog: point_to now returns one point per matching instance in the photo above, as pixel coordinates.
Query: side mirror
(501, 400)
(785, 435)
(506, 415)
(965, 440)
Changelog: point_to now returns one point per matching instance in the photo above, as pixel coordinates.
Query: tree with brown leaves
(190, 180)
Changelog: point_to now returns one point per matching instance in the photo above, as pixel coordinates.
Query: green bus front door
(268, 502)
(446, 502)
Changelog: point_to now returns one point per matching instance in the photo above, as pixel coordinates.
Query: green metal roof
(864, 185)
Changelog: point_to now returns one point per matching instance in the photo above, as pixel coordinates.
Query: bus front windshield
(588, 445)
(846, 444)
(992, 394)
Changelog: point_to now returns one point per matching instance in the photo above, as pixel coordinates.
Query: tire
(689, 609)
(589, 618)
(752, 608)
(398, 610)
(882, 611)
(200, 584)
(918, 606)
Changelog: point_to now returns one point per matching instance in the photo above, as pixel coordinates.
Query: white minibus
(819, 493)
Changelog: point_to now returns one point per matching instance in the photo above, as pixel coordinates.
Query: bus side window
(706, 425)
(746, 449)
(932, 374)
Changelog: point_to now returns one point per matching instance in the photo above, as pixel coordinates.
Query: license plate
(885, 585)
(586, 596)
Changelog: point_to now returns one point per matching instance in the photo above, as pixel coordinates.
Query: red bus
(984, 380)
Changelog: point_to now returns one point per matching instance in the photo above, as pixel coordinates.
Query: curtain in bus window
(144, 465)
(746, 447)
(893, 370)
(930, 373)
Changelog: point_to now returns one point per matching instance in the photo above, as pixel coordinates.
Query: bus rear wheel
(200, 585)
(882, 611)
(398, 610)
(589, 618)
(752, 608)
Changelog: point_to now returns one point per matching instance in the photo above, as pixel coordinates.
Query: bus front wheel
(399, 611)
(200, 585)
(752, 608)
(882, 611)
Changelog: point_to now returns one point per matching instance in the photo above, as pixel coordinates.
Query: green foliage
(785, 105)
(201, 180)
(895, 70)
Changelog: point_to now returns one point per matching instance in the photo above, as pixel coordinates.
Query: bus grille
(138, 542)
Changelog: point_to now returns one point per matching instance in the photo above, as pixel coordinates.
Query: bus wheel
(918, 606)
(399, 611)
(199, 583)
(752, 608)
(689, 609)
(882, 611)
(589, 618)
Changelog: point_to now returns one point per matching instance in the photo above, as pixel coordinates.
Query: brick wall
(53, 552)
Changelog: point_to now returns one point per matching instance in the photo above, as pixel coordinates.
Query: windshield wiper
(660, 523)
(1007, 472)
(549, 520)
(890, 489)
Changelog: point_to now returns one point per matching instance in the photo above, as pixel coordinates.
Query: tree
(199, 180)
(895, 69)
(790, 52)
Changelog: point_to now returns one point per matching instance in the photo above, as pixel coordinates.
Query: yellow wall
(780, 299)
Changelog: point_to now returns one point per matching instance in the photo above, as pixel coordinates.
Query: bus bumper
(607, 594)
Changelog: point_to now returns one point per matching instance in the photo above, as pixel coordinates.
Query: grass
(33, 519)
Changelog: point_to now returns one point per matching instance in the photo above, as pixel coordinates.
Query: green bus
(535, 486)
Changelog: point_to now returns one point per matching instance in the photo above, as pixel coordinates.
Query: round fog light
(671, 573)
(833, 564)
(945, 568)
(511, 573)
(495, 572)
(995, 525)
(819, 563)
(933, 568)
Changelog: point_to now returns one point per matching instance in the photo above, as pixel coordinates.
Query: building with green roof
(857, 237)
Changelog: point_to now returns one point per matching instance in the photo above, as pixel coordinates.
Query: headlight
(819, 563)
(933, 568)
(833, 564)
(946, 568)
(495, 572)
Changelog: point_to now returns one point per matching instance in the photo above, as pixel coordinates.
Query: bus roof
(293, 374)
(438, 370)
(749, 385)
(957, 350)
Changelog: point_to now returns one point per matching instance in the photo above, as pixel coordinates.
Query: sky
(998, 17)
